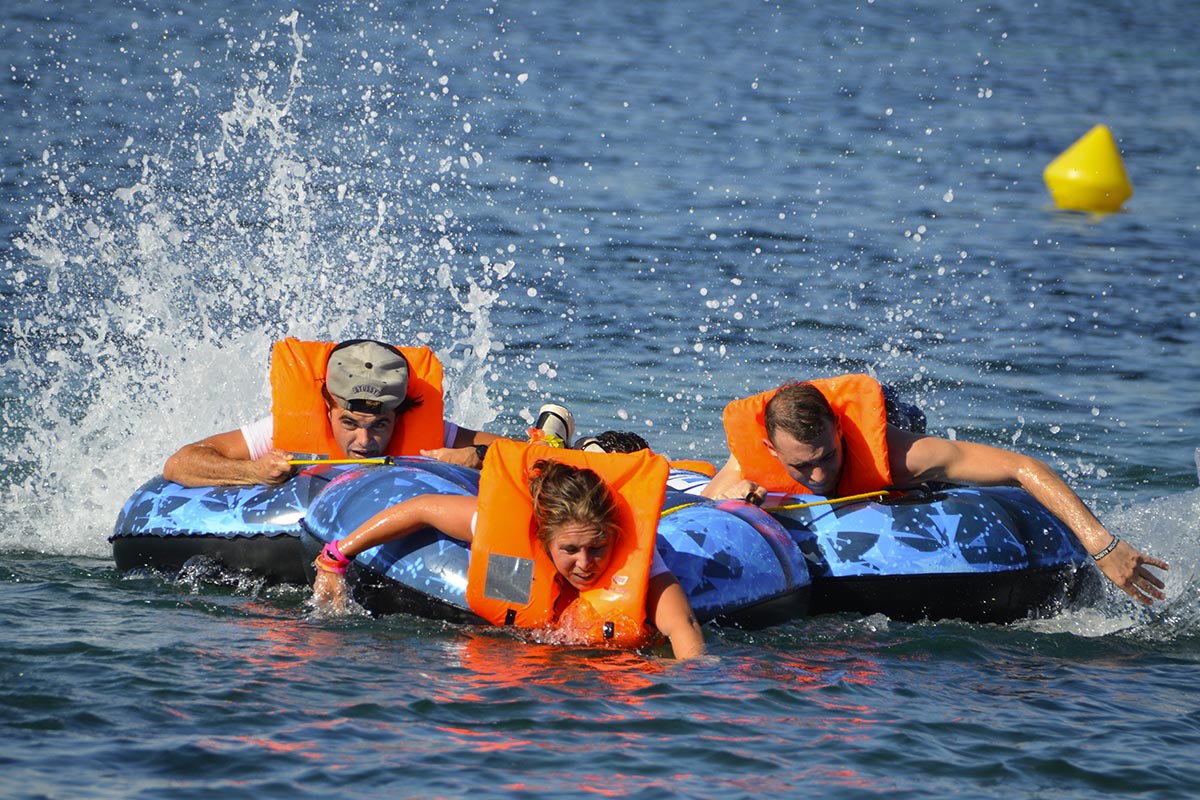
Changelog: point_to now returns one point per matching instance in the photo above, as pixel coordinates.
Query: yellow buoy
(1089, 175)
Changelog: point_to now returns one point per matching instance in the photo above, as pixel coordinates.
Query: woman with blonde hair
(581, 546)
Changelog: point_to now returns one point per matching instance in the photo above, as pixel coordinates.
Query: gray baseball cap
(367, 376)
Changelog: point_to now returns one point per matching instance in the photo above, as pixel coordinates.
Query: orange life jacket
(856, 400)
(694, 465)
(512, 581)
(301, 418)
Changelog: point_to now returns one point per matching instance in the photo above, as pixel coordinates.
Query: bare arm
(223, 459)
(668, 608)
(463, 452)
(929, 458)
(729, 484)
(450, 514)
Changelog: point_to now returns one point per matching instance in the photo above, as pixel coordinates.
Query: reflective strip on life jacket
(512, 581)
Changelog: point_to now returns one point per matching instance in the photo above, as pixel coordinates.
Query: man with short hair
(831, 437)
(357, 399)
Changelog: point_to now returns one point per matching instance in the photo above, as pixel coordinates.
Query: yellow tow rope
(831, 501)
(827, 502)
(296, 462)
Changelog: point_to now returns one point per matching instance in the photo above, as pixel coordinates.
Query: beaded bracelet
(332, 560)
(1111, 546)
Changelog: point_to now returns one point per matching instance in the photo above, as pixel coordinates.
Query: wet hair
(563, 494)
(799, 409)
(618, 442)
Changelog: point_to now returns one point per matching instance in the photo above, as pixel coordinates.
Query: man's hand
(744, 489)
(462, 456)
(1127, 568)
(273, 468)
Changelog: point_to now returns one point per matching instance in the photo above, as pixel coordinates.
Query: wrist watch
(481, 451)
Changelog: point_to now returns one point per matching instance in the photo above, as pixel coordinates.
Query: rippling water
(644, 212)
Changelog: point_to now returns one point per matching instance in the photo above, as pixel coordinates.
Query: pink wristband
(335, 552)
(332, 560)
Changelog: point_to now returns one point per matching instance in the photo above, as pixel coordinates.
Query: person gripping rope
(359, 398)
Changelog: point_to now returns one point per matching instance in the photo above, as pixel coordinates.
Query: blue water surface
(643, 211)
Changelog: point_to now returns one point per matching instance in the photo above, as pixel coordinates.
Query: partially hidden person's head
(613, 442)
(577, 518)
(806, 437)
(366, 385)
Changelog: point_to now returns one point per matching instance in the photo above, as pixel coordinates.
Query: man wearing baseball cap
(356, 399)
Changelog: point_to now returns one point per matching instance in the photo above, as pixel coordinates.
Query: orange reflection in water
(492, 660)
(289, 644)
(484, 663)
(580, 689)
(587, 687)
(839, 680)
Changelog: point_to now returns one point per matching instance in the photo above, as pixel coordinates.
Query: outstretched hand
(1128, 569)
(462, 456)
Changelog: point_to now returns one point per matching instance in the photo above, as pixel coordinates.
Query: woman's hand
(329, 591)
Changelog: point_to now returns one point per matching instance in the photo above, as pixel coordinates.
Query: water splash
(1164, 527)
(149, 308)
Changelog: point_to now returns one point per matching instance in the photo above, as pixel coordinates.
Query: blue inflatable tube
(163, 526)
(979, 554)
(736, 563)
